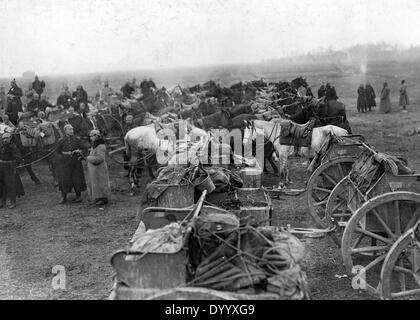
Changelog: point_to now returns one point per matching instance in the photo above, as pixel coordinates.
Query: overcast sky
(72, 36)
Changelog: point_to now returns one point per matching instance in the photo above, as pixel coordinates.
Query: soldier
(10, 184)
(69, 154)
(38, 86)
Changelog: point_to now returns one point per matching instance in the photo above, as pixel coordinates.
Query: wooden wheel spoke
(359, 239)
(369, 249)
(403, 270)
(322, 190)
(336, 207)
(397, 218)
(407, 293)
(414, 218)
(320, 203)
(383, 223)
(373, 263)
(374, 235)
(328, 177)
(340, 169)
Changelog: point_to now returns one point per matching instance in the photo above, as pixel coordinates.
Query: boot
(78, 198)
(63, 198)
(2, 203)
(12, 204)
(101, 202)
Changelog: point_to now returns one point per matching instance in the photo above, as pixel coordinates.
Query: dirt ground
(40, 234)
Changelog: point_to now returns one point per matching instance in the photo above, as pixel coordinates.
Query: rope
(38, 160)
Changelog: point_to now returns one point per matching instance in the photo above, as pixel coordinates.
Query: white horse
(272, 131)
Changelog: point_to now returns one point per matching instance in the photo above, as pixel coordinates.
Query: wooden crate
(177, 196)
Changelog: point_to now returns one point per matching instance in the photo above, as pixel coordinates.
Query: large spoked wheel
(400, 276)
(337, 211)
(322, 182)
(372, 231)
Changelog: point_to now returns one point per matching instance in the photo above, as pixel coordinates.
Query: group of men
(365, 98)
(69, 150)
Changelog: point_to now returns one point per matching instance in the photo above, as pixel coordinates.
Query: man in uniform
(127, 90)
(64, 100)
(38, 86)
(14, 104)
(10, 184)
(69, 154)
(33, 105)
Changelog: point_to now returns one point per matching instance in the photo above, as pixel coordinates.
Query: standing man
(69, 154)
(14, 104)
(64, 100)
(10, 184)
(80, 95)
(370, 96)
(38, 86)
(321, 90)
(385, 104)
(99, 185)
(3, 100)
(361, 99)
(127, 90)
(404, 96)
(106, 92)
(33, 105)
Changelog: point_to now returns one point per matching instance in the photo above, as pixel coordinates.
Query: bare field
(40, 233)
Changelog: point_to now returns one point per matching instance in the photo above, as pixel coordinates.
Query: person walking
(69, 154)
(403, 96)
(99, 185)
(385, 104)
(361, 99)
(370, 96)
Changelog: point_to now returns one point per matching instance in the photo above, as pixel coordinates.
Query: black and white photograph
(245, 150)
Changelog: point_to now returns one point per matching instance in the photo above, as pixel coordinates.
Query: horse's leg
(283, 154)
(273, 164)
(32, 174)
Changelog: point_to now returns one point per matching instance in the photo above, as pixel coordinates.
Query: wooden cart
(377, 216)
(333, 164)
(151, 276)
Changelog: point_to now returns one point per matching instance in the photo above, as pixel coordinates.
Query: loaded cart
(331, 164)
(376, 211)
(205, 252)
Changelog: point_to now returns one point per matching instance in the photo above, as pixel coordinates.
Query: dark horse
(220, 119)
(330, 112)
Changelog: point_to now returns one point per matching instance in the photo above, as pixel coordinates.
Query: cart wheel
(371, 232)
(321, 184)
(337, 211)
(400, 277)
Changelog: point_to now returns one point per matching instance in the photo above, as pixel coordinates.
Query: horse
(272, 131)
(35, 144)
(144, 143)
(221, 118)
(330, 112)
(298, 82)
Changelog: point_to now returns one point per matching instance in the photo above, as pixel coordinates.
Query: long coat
(361, 99)
(385, 104)
(69, 167)
(99, 186)
(370, 96)
(404, 96)
(10, 183)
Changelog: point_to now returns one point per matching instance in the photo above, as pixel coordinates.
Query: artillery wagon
(376, 211)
